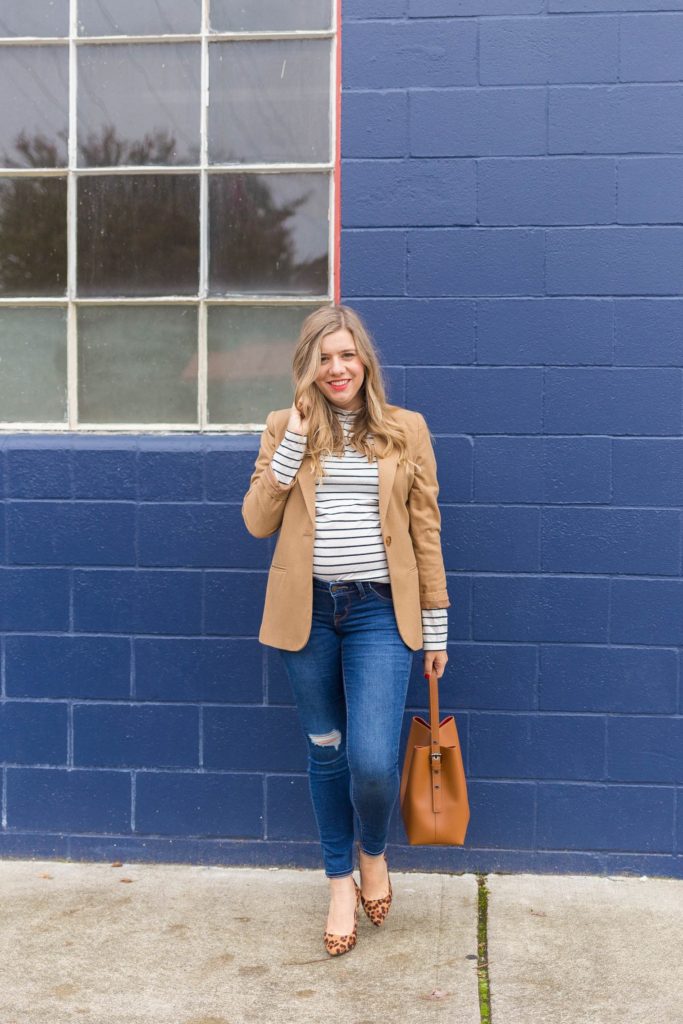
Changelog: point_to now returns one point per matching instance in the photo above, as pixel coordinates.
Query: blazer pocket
(413, 568)
(280, 568)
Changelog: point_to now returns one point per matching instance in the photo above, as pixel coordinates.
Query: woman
(356, 585)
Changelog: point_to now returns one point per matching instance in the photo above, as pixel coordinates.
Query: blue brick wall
(512, 231)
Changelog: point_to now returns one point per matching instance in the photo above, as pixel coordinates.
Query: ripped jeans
(350, 682)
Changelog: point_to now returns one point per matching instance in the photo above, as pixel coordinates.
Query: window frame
(202, 301)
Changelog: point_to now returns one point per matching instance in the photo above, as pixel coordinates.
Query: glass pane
(270, 101)
(34, 18)
(33, 361)
(138, 104)
(250, 360)
(138, 17)
(137, 365)
(32, 236)
(268, 233)
(138, 235)
(273, 15)
(34, 85)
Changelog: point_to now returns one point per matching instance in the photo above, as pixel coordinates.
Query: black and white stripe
(288, 456)
(348, 542)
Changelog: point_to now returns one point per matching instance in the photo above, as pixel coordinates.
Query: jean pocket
(382, 591)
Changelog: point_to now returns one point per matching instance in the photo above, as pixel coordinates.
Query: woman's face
(341, 373)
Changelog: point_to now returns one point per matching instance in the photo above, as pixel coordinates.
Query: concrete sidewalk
(175, 944)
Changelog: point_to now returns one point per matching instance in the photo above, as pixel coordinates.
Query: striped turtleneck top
(348, 542)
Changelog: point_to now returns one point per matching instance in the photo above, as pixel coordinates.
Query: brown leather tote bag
(433, 797)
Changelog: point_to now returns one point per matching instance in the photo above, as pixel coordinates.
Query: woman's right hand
(297, 422)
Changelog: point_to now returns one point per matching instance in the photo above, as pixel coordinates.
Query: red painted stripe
(337, 168)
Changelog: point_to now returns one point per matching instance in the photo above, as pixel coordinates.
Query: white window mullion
(334, 129)
(91, 172)
(71, 226)
(247, 299)
(202, 319)
(175, 37)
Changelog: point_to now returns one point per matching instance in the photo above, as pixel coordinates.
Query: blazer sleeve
(425, 524)
(264, 503)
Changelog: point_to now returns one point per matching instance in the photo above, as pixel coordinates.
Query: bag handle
(435, 741)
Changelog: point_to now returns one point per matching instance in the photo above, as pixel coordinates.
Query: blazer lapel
(386, 471)
(306, 482)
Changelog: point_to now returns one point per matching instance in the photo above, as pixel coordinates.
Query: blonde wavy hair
(325, 434)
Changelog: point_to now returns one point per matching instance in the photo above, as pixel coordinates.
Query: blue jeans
(350, 682)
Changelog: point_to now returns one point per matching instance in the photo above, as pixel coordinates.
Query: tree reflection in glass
(138, 235)
(140, 91)
(107, 149)
(34, 86)
(32, 236)
(268, 233)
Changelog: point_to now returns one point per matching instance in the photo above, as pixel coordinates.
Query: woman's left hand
(438, 660)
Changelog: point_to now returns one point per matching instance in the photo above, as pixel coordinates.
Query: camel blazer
(409, 517)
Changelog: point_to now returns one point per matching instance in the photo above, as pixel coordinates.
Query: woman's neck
(347, 412)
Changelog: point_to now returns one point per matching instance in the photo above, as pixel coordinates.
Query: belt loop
(360, 586)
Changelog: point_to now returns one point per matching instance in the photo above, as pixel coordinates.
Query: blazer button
(387, 541)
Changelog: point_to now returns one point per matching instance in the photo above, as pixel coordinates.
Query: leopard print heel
(378, 909)
(338, 944)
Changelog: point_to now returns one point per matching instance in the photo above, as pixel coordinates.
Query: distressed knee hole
(327, 739)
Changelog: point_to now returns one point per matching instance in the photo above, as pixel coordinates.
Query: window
(167, 198)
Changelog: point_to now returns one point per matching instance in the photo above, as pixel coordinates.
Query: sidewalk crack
(483, 951)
